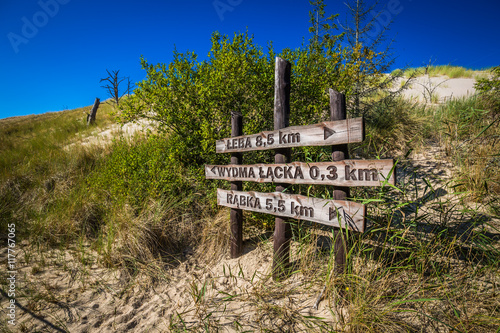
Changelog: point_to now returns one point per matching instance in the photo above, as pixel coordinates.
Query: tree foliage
(192, 100)
(322, 27)
(489, 84)
(370, 52)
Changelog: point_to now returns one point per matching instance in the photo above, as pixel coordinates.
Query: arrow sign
(328, 132)
(336, 213)
(341, 173)
(323, 134)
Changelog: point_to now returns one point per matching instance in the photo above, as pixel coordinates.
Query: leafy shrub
(192, 100)
(484, 85)
(135, 171)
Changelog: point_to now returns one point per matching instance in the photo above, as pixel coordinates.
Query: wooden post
(339, 153)
(91, 116)
(282, 231)
(236, 214)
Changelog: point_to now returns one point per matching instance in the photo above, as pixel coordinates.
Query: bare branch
(113, 87)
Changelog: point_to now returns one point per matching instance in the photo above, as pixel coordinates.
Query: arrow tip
(328, 133)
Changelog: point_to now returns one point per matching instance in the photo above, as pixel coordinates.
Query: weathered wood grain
(282, 229)
(236, 214)
(336, 213)
(340, 152)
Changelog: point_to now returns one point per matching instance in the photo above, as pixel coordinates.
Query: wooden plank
(322, 134)
(282, 229)
(338, 111)
(236, 214)
(335, 213)
(341, 173)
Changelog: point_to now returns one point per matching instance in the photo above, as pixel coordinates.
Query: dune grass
(36, 169)
(469, 131)
(428, 261)
(453, 72)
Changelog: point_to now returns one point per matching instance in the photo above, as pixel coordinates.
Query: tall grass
(122, 197)
(428, 261)
(35, 167)
(44, 134)
(452, 72)
(469, 131)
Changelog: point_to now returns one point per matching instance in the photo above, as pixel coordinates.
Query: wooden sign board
(323, 134)
(336, 213)
(342, 173)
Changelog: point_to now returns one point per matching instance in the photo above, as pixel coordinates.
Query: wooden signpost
(335, 213)
(338, 111)
(236, 213)
(341, 173)
(323, 134)
(282, 229)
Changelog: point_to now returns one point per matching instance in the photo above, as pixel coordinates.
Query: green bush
(135, 171)
(192, 100)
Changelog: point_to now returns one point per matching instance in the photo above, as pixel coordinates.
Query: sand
(442, 87)
(106, 135)
(70, 290)
(70, 296)
(58, 292)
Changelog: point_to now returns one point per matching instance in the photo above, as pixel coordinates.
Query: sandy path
(87, 298)
(106, 135)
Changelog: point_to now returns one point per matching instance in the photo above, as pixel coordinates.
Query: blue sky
(54, 52)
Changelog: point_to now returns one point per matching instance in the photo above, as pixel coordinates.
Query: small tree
(321, 26)
(113, 85)
(369, 50)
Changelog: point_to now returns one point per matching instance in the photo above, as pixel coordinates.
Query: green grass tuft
(452, 72)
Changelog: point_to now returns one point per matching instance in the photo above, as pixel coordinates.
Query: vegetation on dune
(453, 72)
(488, 89)
(36, 165)
(428, 259)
